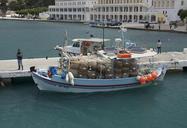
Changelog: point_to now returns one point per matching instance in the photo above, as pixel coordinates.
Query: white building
(118, 10)
(121, 10)
(71, 10)
(167, 10)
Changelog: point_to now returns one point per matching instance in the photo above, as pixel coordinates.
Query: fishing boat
(92, 45)
(96, 72)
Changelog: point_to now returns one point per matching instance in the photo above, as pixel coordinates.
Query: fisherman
(19, 59)
(159, 43)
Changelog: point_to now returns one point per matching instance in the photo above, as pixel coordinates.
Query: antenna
(65, 38)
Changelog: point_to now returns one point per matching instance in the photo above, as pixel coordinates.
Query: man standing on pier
(19, 58)
(159, 43)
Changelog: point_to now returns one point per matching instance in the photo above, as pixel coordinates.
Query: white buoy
(71, 78)
(2, 83)
(67, 78)
(138, 77)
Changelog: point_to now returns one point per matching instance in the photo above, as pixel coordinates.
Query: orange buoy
(124, 55)
(154, 74)
(142, 80)
(146, 78)
(150, 78)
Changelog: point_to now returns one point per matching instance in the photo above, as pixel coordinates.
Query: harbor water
(22, 105)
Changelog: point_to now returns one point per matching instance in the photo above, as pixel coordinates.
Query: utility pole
(186, 24)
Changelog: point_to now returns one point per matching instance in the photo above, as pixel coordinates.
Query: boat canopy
(98, 40)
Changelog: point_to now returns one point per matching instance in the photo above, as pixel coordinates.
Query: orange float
(142, 80)
(124, 55)
(150, 78)
(154, 74)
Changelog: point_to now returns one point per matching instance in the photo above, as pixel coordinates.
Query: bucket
(53, 70)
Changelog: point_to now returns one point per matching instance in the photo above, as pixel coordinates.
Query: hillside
(26, 4)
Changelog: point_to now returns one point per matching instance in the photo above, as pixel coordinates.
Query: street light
(186, 23)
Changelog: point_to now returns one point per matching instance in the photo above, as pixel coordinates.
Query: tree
(3, 7)
(32, 11)
(182, 14)
(29, 4)
(179, 12)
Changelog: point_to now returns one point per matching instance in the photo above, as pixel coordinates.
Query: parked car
(116, 23)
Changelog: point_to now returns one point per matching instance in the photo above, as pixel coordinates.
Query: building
(117, 10)
(72, 10)
(167, 10)
(121, 10)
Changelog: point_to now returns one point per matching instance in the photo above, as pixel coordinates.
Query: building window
(130, 9)
(163, 4)
(111, 9)
(154, 4)
(182, 3)
(107, 9)
(116, 9)
(158, 4)
(121, 9)
(173, 4)
(57, 9)
(167, 4)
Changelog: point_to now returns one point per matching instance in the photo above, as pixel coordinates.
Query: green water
(38, 39)
(23, 106)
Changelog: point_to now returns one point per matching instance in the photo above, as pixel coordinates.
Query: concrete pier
(8, 68)
(173, 60)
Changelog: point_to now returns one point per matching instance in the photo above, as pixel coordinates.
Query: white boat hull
(88, 85)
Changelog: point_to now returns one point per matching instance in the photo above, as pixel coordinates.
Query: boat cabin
(85, 46)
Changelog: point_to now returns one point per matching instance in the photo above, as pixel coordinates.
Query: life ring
(124, 55)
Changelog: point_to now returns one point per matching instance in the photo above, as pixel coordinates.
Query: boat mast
(123, 30)
(65, 38)
(103, 25)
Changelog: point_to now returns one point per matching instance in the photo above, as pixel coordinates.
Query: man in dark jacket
(19, 58)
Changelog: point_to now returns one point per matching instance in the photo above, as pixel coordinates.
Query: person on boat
(19, 56)
(159, 43)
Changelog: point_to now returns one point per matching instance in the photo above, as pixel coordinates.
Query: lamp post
(186, 24)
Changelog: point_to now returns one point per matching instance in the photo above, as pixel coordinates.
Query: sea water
(22, 105)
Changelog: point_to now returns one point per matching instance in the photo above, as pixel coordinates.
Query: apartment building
(118, 10)
(121, 10)
(167, 10)
(72, 10)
